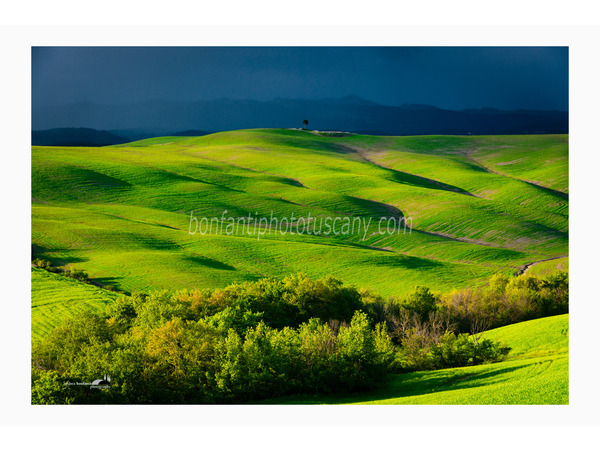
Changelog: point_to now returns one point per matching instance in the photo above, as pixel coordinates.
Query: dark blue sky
(447, 77)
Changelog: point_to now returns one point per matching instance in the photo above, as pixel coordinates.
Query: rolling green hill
(535, 372)
(56, 298)
(478, 204)
(550, 266)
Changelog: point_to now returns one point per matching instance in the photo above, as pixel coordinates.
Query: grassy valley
(123, 213)
(467, 214)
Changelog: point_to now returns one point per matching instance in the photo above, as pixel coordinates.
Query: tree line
(276, 337)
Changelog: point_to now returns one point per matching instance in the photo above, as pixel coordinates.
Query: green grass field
(547, 267)
(535, 372)
(479, 205)
(56, 298)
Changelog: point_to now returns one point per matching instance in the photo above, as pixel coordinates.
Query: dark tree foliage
(73, 273)
(271, 337)
(507, 300)
(240, 344)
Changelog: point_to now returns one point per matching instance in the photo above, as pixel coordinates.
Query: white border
(16, 226)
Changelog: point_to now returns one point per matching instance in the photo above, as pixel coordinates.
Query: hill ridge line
(551, 191)
(442, 186)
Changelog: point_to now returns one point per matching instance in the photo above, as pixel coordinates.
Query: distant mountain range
(76, 137)
(354, 114)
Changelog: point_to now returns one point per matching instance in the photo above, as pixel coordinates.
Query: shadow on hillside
(66, 257)
(96, 178)
(547, 190)
(422, 182)
(169, 177)
(553, 192)
(418, 181)
(376, 209)
(154, 243)
(209, 262)
(108, 283)
(405, 262)
(533, 229)
(366, 247)
(290, 182)
(406, 385)
(37, 251)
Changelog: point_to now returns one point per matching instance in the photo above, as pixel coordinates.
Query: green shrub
(283, 303)
(465, 350)
(76, 274)
(275, 337)
(45, 264)
(421, 301)
(506, 301)
(234, 318)
(451, 350)
(155, 354)
(48, 388)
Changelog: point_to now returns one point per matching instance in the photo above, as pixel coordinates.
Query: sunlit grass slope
(548, 267)
(478, 205)
(535, 372)
(56, 298)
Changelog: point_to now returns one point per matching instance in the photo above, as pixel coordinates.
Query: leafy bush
(421, 301)
(451, 350)
(276, 337)
(203, 346)
(506, 301)
(76, 274)
(45, 264)
(464, 350)
(73, 273)
(281, 303)
(48, 388)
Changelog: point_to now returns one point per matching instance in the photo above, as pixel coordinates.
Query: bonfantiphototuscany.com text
(258, 226)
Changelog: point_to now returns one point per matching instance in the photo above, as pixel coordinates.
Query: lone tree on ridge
(305, 123)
